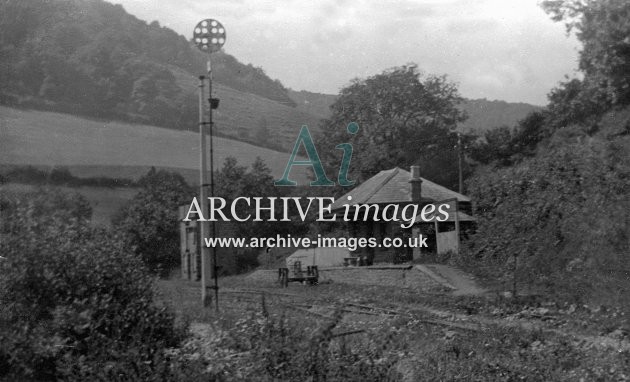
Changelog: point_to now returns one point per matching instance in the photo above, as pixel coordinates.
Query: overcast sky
(494, 49)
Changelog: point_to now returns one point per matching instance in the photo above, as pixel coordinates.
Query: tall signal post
(459, 163)
(209, 37)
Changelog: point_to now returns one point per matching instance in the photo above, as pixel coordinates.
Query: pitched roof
(392, 186)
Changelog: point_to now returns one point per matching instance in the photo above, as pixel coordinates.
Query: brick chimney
(416, 184)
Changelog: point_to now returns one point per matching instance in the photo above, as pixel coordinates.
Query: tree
(232, 181)
(149, 222)
(404, 118)
(603, 27)
(529, 132)
(503, 146)
(497, 146)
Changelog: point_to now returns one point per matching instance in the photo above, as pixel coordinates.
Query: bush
(265, 347)
(149, 223)
(75, 305)
(557, 223)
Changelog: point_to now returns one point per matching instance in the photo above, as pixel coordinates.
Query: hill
(317, 104)
(242, 116)
(94, 41)
(99, 148)
(482, 114)
(92, 58)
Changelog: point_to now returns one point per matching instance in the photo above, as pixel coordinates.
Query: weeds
(269, 346)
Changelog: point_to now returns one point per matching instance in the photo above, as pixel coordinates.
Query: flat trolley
(296, 273)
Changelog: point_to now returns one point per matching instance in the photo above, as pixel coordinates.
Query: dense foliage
(552, 217)
(557, 221)
(234, 180)
(93, 58)
(74, 303)
(404, 118)
(504, 146)
(149, 223)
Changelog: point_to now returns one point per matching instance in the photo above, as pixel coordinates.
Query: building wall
(440, 239)
(190, 248)
(447, 242)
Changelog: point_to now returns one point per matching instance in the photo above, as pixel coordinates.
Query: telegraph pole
(459, 163)
(209, 37)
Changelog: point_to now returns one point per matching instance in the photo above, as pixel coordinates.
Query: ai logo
(304, 138)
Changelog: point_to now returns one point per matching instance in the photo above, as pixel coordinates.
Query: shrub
(557, 222)
(75, 305)
(149, 223)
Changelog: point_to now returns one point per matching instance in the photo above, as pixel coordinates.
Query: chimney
(416, 184)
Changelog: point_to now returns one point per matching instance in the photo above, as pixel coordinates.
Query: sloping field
(102, 148)
(241, 113)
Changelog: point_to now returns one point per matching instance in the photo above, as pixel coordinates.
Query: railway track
(313, 306)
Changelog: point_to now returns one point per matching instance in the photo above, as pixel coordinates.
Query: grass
(116, 149)
(240, 111)
(106, 202)
(423, 351)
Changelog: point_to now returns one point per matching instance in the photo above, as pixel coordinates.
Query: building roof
(392, 186)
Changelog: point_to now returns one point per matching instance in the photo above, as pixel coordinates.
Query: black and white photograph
(328, 190)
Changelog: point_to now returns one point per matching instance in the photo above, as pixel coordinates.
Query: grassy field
(105, 202)
(100, 148)
(240, 113)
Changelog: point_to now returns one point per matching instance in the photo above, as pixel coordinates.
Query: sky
(495, 49)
